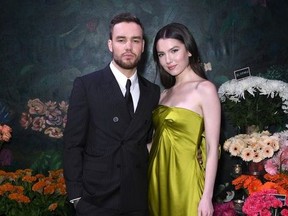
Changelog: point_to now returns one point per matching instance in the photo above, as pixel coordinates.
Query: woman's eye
(174, 50)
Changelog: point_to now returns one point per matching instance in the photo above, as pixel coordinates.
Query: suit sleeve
(155, 101)
(75, 139)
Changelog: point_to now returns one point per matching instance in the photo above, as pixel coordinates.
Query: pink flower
(284, 212)
(284, 156)
(279, 162)
(271, 167)
(260, 203)
(224, 209)
(38, 124)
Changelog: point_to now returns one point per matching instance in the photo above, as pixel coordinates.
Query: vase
(238, 205)
(256, 168)
(237, 170)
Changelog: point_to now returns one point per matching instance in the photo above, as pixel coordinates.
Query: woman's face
(173, 56)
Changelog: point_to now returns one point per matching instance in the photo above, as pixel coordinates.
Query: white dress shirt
(122, 79)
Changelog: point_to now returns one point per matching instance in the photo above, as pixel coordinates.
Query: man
(105, 152)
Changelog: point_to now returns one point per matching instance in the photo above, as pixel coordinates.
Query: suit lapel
(111, 91)
(144, 97)
(143, 105)
(110, 85)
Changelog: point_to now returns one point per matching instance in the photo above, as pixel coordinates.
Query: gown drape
(176, 178)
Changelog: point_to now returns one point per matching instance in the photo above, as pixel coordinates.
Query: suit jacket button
(118, 165)
(115, 119)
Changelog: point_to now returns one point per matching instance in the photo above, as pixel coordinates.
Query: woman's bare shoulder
(206, 85)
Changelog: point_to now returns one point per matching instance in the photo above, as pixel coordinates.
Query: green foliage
(50, 160)
(256, 110)
(13, 208)
(277, 72)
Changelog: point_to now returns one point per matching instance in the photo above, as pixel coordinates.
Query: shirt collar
(121, 78)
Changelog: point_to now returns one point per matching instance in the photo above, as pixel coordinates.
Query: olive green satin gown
(176, 179)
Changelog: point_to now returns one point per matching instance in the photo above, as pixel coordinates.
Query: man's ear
(109, 43)
(143, 46)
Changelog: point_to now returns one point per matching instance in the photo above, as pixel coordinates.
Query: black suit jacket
(105, 154)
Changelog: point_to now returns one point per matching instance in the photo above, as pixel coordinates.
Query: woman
(186, 120)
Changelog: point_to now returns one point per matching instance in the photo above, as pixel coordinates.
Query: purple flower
(5, 157)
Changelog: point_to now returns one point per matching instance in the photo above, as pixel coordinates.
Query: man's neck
(127, 72)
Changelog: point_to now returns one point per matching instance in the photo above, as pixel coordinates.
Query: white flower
(235, 90)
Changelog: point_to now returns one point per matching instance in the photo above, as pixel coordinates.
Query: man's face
(126, 45)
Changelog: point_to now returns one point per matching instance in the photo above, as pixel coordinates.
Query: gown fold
(176, 178)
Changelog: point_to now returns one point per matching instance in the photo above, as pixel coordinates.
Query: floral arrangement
(49, 117)
(5, 134)
(253, 184)
(263, 203)
(22, 193)
(252, 147)
(261, 193)
(279, 162)
(255, 101)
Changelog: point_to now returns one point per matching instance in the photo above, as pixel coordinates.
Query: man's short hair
(124, 17)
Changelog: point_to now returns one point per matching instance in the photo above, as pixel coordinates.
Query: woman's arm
(212, 120)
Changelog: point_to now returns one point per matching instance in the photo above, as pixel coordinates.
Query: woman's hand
(205, 207)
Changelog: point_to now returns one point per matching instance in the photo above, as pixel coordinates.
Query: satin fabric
(176, 179)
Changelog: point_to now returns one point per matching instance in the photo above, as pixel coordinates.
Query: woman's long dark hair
(179, 32)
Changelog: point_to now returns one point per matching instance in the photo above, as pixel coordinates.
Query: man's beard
(126, 65)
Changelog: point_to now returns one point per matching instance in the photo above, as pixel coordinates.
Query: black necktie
(128, 98)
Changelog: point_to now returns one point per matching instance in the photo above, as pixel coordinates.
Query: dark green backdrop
(45, 44)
